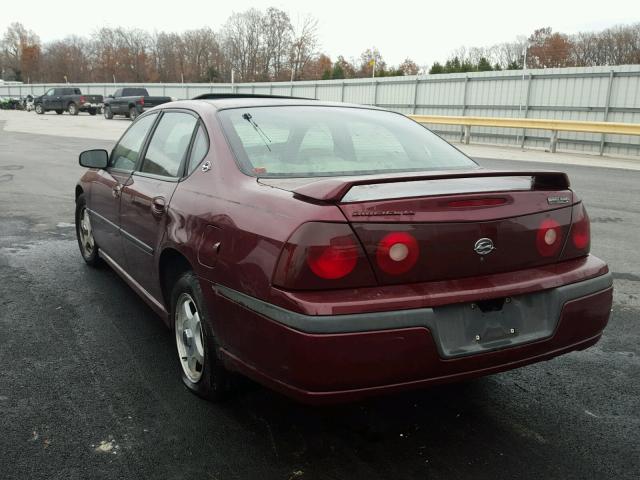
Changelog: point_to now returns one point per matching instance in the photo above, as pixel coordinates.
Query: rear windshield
(309, 141)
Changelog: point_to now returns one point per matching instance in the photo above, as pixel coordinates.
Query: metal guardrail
(554, 126)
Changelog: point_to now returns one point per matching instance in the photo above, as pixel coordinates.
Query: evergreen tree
(436, 68)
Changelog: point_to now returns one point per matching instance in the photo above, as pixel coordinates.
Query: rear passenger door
(116, 102)
(145, 209)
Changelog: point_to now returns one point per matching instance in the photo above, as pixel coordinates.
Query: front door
(52, 99)
(106, 191)
(146, 197)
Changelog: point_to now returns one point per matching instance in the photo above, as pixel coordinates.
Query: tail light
(579, 242)
(140, 101)
(82, 100)
(397, 253)
(322, 256)
(549, 238)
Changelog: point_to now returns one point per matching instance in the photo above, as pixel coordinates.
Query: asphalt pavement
(90, 388)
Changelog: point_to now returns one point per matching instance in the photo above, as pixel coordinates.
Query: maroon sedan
(334, 251)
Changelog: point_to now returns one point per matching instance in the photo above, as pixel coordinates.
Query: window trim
(185, 169)
(142, 147)
(181, 168)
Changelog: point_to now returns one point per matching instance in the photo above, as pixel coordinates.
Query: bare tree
(21, 52)
(242, 42)
(409, 67)
(369, 59)
(277, 35)
(304, 47)
(67, 59)
(203, 56)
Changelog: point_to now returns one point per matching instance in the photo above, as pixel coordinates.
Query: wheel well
(172, 265)
(79, 191)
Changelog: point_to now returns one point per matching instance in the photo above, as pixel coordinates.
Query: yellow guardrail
(555, 126)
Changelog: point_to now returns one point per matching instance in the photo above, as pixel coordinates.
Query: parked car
(27, 103)
(130, 102)
(333, 251)
(69, 99)
(10, 103)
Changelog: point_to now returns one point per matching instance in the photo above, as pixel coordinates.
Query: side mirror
(94, 159)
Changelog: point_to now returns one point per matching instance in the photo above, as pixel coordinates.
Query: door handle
(158, 206)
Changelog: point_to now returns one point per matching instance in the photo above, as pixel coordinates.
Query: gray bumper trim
(533, 316)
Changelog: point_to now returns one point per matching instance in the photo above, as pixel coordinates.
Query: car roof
(238, 101)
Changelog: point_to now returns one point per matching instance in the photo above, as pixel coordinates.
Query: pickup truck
(68, 99)
(130, 102)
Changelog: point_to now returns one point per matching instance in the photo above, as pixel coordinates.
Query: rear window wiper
(265, 138)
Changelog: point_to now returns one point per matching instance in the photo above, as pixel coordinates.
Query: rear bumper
(89, 105)
(324, 359)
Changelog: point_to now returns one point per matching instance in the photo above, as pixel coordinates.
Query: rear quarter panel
(251, 221)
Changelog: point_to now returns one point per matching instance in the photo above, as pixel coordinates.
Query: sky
(425, 31)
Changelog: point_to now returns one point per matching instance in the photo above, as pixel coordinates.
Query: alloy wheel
(86, 234)
(189, 337)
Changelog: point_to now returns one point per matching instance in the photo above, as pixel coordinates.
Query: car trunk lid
(449, 225)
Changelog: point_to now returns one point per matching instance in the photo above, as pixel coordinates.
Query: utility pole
(524, 69)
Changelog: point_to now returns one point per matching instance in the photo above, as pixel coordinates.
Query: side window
(118, 93)
(199, 150)
(50, 92)
(125, 155)
(169, 144)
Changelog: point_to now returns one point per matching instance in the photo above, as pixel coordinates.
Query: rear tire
(133, 113)
(92, 111)
(202, 371)
(84, 234)
(59, 112)
(39, 109)
(73, 109)
(108, 114)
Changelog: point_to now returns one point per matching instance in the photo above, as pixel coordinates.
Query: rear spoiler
(335, 188)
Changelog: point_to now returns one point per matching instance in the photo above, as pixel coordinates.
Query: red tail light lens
(581, 228)
(335, 260)
(322, 255)
(82, 100)
(549, 238)
(141, 101)
(397, 253)
(580, 234)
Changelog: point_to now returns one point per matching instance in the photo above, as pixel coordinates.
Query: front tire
(73, 109)
(59, 112)
(39, 109)
(108, 113)
(84, 233)
(196, 345)
(92, 111)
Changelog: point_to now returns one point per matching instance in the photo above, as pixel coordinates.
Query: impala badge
(558, 200)
(484, 246)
